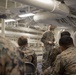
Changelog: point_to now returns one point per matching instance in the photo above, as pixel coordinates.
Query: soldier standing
(48, 41)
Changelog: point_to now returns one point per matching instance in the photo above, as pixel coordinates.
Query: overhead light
(26, 15)
(9, 20)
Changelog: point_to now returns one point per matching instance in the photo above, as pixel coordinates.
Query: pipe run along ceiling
(54, 9)
(49, 5)
(17, 34)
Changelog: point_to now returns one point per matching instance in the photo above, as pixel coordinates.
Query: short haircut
(65, 41)
(51, 27)
(65, 33)
(22, 41)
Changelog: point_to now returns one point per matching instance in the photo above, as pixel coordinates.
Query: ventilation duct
(49, 5)
(43, 16)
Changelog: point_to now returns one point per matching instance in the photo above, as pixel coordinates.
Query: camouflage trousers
(46, 58)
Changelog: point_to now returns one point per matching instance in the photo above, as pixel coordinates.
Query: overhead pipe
(50, 5)
(17, 34)
(25, 29)
(43, 16)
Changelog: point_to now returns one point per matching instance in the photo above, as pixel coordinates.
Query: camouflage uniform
(65, 63)
(23, 55)
(9, 66)
(6, 63)
(52, 56)
(47, 36)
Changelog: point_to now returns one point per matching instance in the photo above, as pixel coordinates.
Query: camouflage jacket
(47, 36)
(65, 63)
(26, 54)
(6, 58)
(23, 54)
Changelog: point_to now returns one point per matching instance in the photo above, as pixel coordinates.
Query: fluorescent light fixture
(26, 15)
(45, 1)
(9, 20)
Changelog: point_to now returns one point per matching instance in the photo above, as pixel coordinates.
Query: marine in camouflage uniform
(6, 63)
(65, 63)
(23, 54)
(8, 66)
(48, 41)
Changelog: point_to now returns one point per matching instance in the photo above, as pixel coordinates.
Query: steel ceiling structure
(12, 9)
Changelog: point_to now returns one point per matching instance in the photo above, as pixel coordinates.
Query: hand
(49, 42)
